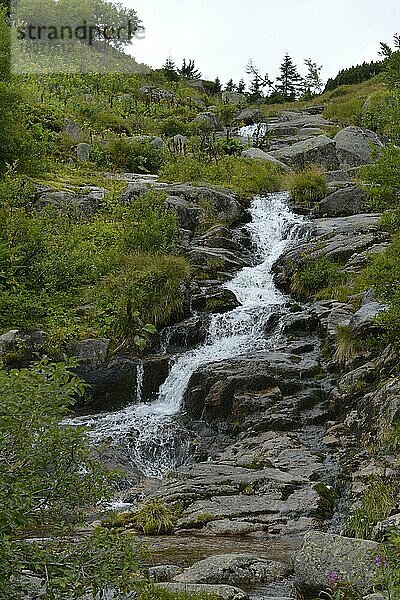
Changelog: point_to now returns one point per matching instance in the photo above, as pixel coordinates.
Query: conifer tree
(189, 70)
(258, 82)
(290, 82)
(241, 88)
(230, 86)
(169, 69)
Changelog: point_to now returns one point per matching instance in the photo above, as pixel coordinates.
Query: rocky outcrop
(344, 202)
(19, 347)
(84, 203)
(114, 384)
(234, 98)
(215, 390)
(322, 553)
(235, 570)
(155, 94)
(319, 150)
(250, 116)
(209, 119)
(354, 146)
(346, 240)
(259, 154)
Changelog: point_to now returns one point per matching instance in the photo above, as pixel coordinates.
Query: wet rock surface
(234, 569)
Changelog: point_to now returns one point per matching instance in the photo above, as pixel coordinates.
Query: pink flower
(333, 577)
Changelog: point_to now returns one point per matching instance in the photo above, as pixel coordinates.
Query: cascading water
(253, 131)
(150, 432)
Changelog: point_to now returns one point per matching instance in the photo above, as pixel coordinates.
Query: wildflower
(379, 561)
(333, 577)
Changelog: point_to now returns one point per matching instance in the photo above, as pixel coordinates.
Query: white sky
(222, 35)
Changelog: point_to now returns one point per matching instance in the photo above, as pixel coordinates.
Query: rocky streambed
(241, 414)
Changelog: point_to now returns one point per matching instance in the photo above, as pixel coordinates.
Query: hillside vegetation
(120, 272)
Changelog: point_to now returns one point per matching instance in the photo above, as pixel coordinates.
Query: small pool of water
(186, 549)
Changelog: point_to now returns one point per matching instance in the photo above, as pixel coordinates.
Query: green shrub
(146, 284)
(173, 126)
(132, 156)
(315, 275)
(156, 518)
(307, 186)
(231, 147)
(382, 179)
(148, 226)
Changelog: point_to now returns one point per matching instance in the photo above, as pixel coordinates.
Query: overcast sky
(222, 35)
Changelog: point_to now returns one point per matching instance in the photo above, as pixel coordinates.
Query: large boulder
(234, 98)
(153, 140)
(84, 203)
(91, 352)
(155, 94)
(18, 347)
(188, 213)
(362, 321)
(259, 154)
(343, 203)
(354, 146)
(111, 386)
(83, 152)
(234, 569)
(250, 116)
(209, 119)
(322, 553)
(319, 150)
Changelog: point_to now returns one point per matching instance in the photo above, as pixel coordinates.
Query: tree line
(289, 85)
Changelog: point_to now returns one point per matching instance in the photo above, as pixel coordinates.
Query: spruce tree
(189, 70)
(169, 69)
(258, 82)
(230, 86)
(290, 82)
(241, 88)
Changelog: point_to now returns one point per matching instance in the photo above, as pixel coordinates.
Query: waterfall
(149, 431)
(251, 131)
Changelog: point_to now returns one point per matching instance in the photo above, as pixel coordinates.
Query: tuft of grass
(308, 186)
(156, 518)
(377, 504)
(315, 275)
(347, 346)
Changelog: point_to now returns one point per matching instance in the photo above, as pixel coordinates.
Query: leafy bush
(143, 284)
(49, 476)
(231, 147)
(173, 126)
(307, 186)
(315, 275)
(148, 227)
(131, 156)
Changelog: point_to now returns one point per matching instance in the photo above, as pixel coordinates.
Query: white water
(251, 131)
(149, 431)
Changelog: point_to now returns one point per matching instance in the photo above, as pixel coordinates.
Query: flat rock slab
(234, 569)
(226, 592)
(353, 559)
